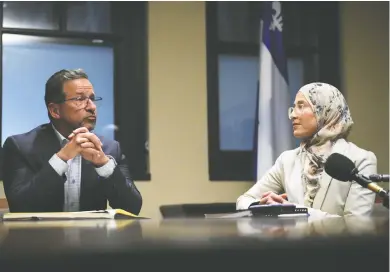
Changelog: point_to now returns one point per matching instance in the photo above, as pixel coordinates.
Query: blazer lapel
(88, 181)
(47, 143)
(339, 147)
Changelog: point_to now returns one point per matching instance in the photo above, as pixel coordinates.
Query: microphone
(379, 177)
(342, 168)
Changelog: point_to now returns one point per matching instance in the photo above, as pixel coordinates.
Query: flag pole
(257, 119)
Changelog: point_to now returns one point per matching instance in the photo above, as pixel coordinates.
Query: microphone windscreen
(339, 167)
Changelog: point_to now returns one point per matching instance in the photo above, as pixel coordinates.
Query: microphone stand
(386, 202)
(384, 194)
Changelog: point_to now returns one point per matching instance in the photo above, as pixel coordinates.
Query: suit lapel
(47, 143)
(339, 147)
(320, 196)
(87, 182)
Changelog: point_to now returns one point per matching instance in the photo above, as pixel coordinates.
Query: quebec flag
(274, 131)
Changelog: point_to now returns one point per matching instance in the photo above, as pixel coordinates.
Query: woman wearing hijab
(321, 119)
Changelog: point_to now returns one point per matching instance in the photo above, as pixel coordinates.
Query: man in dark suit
(63, 166)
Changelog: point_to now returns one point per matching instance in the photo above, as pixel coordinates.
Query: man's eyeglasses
(82, 101)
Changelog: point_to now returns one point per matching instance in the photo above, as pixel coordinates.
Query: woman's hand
(272, 198)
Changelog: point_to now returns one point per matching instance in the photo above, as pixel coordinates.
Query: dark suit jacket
(32, 185)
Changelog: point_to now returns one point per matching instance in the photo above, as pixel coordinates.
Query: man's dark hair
(54, 92)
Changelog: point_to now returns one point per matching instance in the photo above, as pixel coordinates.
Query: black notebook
(265, 210)
(276, 210)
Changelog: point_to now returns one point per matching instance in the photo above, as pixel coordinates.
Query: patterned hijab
(334, 121)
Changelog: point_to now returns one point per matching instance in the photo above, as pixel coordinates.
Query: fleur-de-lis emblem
(277, 19)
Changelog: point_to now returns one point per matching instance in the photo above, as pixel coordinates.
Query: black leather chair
(195, 210)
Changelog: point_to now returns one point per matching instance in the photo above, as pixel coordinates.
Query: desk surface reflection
(264, 242)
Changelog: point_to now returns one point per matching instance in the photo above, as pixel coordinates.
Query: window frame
(240, 165)
(130, 73)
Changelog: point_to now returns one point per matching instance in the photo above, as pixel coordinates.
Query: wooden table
(258, 244)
